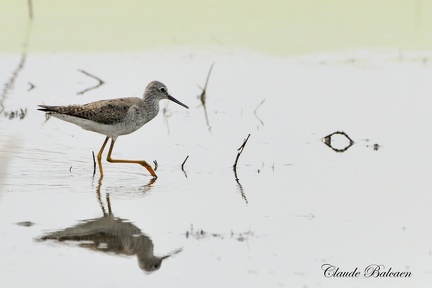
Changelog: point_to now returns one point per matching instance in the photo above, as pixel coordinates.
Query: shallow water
(297, 204)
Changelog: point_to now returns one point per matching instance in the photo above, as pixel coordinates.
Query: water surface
(297, 203)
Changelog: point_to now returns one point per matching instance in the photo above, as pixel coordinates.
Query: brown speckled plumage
(104, 111)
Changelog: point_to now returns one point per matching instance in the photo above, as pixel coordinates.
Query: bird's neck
(151, 108)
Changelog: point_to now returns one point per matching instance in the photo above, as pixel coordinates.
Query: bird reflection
(111, 234)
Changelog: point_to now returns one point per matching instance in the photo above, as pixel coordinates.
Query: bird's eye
(163, 89)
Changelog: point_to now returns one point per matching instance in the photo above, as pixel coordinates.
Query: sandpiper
(115, 117)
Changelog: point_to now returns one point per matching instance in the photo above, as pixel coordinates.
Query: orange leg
(140, 162)
(99, 156)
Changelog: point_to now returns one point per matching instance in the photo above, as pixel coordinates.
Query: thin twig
(156, 165)
(101, 82)
(328, 141)
(182, 166)
(94, 164)
(203, 93)
(240, 151)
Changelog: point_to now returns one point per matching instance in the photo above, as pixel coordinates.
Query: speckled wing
(104, 111)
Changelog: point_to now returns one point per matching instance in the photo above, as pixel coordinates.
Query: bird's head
(158, 91)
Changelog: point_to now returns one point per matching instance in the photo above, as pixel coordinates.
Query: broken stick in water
(240, 151)
(101, 82)
(182, 166)
(94, 164)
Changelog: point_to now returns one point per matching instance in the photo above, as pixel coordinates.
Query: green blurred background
(278, 27)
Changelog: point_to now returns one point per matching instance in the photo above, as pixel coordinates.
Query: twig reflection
(256, 114)
(329, 139)
(9, 85)
(240, 187)
(203, 97)
(201, 234)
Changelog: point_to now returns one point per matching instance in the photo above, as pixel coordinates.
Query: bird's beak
(172, 253)
(176, 101)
